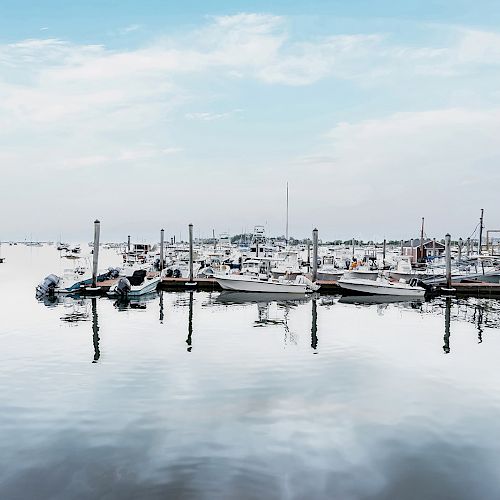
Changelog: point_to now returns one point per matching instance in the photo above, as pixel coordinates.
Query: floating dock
(476, 289)
(210, 285)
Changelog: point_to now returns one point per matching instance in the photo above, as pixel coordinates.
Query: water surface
(209, 395)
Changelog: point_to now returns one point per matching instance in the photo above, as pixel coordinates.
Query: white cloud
(391, 171)
(74, 107)
(208, 117)
(130, 28)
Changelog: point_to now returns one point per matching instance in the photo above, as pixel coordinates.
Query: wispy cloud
(130, 28)
(208, 117)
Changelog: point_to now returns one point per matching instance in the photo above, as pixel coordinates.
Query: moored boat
(254, 284)
(140, 283)
(382, 286)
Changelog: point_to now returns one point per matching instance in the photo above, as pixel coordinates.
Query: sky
(156, 114)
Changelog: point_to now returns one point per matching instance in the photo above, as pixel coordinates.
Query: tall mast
(286, 232)
(480, 231)
(422, 241)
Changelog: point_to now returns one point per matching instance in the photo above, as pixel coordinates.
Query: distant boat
(241, 283)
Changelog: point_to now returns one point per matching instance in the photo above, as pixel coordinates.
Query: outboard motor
(113, 272)
(428, 288)
(169, 273)
(177, 273)
(46, 287)
(123, 286)
(137, 277)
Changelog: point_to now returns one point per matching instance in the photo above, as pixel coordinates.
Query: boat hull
(238, 284)
(137, 291)
(376, 288)
(330, 275)
(360, 274)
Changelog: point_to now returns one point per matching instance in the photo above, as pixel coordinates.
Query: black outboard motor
(123, 286)
(138, 277)
(46, 287)
(177, 273)
(169, 273)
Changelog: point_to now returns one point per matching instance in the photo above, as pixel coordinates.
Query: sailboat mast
(286, 231)
(422, 241)
(480, 231)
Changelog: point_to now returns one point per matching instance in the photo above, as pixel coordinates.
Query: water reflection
(95, 330)
(161, 307)
(482, 313)
(314, 325)
(124, 303)
(447, 320)
(380, 299)
(228, 297)
(275, 310)
(189, 340)
(479, 313)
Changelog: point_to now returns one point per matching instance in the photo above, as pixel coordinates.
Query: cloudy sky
(155, 114)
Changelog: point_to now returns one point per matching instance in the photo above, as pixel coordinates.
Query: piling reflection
(95, 330)
(478, 321)
(314, 325)
(189, 340)
(447, 320)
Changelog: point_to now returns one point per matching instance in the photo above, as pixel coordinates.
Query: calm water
(204, 395)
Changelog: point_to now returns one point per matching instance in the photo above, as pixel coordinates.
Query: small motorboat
(241, 283)
(70, 282)
(140, 283)
(382, 286)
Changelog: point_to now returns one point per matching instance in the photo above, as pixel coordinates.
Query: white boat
(382, 286)
(330, 273)
(403, 270)
(140, 283)
(71, 281)
(362, 274)
(241, 283)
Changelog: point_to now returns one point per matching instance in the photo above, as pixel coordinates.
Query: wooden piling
(315, 255)
(95, 256)
(447, 240)
(190, 252)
